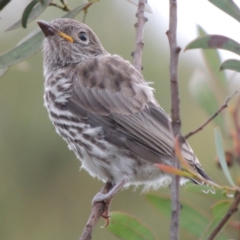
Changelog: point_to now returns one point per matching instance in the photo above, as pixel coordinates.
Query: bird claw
(106, 198)
(101, 197)
(106, 218)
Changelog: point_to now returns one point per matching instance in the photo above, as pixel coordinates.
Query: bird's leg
(107, 199)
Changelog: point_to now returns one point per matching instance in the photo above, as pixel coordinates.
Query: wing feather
(115, 96)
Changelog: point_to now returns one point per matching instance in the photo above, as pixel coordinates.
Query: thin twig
(225, 105)
(232, 209)
(175, 112)
(98, 209)
(64, 3)
(64, 7)
(141, 20)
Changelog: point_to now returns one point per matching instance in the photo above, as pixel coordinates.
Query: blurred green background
(42, 193)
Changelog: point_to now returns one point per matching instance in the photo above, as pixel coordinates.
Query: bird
(101, 105)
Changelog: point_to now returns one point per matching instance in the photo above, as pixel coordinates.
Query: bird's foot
(101, 197)
(106, 198)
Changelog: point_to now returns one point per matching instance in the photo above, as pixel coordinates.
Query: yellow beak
(49, 30)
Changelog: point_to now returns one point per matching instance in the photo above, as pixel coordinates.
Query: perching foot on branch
(106, 198)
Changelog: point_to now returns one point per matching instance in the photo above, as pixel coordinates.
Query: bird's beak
(48, 30)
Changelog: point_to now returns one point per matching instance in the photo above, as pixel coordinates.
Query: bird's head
(68, 41)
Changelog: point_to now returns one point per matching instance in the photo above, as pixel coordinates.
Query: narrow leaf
(180, 157)
(3, 71)
(4, 3)
(33, 44)
(218, 210)
(36, 11)
(229, 7)
(198, 188)
(204, 96)
(22, 51)
(221, 155)
(213, 61)
(128, 227)
(231, 64)
(192, 219)
(174, 171)
(215, 41)
(27, 12)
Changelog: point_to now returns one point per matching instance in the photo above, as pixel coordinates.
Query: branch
(232, 209)
(64, 7)
(141, 20)
(98, 209)
(225, 105)
(175, 112)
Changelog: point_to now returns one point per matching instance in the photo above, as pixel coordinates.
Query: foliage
(33, 42)
(206, 93)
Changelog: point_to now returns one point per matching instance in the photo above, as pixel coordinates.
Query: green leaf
(231, 64)
(27, 12)
(32, 45)
(198, 188)
(191, 219)
(3, 71)
(36, 11)
(22, 51)
(128, 227)
(218, 211)
(217, 195)
(221, 155)
(229, 7)
(205, 97)
(4, 3)
(215, 41)
(213, 62)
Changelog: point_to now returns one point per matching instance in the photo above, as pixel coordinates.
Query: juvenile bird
(105, 110)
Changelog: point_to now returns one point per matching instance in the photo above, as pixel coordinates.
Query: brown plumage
(105, 110)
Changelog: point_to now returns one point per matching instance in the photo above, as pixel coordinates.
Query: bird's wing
(110, 92)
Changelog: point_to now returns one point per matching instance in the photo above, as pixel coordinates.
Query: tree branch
(141, 20)
(232, 209)
(98, 209)
(175, 112)
(225, 105)
(64, 7)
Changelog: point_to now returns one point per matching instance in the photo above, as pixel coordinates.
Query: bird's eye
(82, 36)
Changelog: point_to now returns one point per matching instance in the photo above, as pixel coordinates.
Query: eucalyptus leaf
(198, 188)
(221, 155)
(128, 227)
(4, 3)
(229, 7)
(32, 45)
(215, 41)
(191, 219)
(213, 62)
(3, 71)
(219, 210)
(231, 64)
(217, 195)
(27, 12)
(36, 11)
(203, 94)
